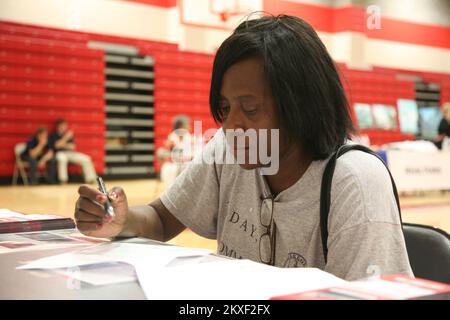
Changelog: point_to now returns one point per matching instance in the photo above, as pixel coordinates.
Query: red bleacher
(48, 73)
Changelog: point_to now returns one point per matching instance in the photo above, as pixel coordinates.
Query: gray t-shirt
(223, 202)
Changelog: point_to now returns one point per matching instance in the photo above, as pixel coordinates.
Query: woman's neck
(293, 164)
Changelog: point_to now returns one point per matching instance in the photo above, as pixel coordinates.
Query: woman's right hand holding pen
(91, 217)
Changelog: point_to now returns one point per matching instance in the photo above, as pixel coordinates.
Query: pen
(108, 207)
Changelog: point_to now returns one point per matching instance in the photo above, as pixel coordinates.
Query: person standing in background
(63, 143)
(39, 155)
(444, 127)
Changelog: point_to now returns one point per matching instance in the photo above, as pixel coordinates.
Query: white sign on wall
(414, 171)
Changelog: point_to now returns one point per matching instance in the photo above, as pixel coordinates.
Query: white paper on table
(6, 213)
(231, 279)
(101, 274)
(65, 260)
(119, 272)
(150, 256)
(43, 240)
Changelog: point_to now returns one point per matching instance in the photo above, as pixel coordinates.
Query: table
(42, 284)
(18, 284)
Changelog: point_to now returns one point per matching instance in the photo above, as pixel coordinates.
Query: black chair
(428, 251)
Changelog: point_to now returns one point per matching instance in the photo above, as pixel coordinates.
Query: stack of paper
(109, 263)
(134, 254)
(171, 272)
(11, 221)
(394, 287)
(231, 279)
(41, 240)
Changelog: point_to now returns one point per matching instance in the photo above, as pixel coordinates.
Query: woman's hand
(90, 215)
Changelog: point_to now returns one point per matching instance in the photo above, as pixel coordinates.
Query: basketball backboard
(217, 14)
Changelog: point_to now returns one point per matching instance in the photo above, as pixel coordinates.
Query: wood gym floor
(431, 208)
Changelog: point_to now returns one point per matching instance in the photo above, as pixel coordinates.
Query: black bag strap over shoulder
(325, 191)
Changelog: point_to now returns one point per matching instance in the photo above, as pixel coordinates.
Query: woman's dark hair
(304, 81)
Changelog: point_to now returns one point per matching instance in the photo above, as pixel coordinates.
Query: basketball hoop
(225, 9)
(224, 16)
(221, 14)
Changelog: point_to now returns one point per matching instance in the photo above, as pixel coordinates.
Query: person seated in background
(39, 155)
(444, 128)
(62, 142)
(174, 155)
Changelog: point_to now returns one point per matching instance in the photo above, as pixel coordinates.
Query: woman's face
(246, 102)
